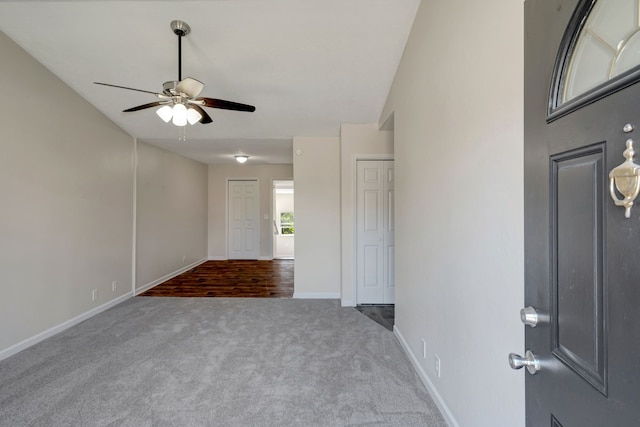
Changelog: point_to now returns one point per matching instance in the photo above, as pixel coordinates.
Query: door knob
(529, 316)
(529, 360)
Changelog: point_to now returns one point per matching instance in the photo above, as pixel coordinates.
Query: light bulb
(165, 113)
(193, 116)
(179, 115)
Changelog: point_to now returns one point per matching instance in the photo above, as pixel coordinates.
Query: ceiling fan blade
(149, 105)
(226, 105)
(205, 117)
(130, 88)
(190, 87)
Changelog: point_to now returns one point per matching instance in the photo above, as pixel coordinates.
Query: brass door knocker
(626, 179)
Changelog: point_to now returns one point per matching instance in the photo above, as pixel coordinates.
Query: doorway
(283, 220)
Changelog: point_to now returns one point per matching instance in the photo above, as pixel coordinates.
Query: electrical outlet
(94, 295)
(436, 365)
(184, 257)
(114, 285)
(424, 349)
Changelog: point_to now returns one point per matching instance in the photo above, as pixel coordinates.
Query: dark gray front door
(582, 256)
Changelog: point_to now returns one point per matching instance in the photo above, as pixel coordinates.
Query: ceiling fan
(179, 101)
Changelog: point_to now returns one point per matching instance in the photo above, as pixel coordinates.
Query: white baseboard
(168, 276)
(446, 413)
(347, 303)
(16, 348)
(317, 295)
(224, 258)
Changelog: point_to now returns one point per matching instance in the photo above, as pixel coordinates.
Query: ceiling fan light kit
(165, 113)
(179, 115)
(179, 101)
(193, 116)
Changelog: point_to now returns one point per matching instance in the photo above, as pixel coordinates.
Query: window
(286, 223)
(599, 54)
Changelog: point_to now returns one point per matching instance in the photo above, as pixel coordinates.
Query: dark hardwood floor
(248, 279)
(232, 278)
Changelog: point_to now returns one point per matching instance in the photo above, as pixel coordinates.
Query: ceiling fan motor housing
(169, 88)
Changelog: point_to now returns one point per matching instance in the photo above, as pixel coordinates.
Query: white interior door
(244, 223)
(375, 232)
(389, 233)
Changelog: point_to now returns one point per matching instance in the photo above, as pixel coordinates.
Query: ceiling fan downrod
(181, 29)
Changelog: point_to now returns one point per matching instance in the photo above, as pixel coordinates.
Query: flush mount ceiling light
(179, 101)
(241, 158)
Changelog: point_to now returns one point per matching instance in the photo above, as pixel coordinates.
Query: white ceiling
(306, 65)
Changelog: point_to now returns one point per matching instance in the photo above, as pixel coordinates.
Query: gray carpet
(217, 362)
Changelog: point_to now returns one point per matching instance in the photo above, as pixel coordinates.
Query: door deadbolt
(529, 316)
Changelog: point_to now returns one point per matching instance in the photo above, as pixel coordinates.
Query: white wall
(316, 167)
(457, 101)
(218, 178)
(66, 216)
(171, 214)
(67, 213)
(357, 142)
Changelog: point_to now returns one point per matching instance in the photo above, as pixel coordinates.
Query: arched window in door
(599, 54)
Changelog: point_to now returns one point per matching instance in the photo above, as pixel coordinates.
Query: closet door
(244, 233)
(375, 232)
